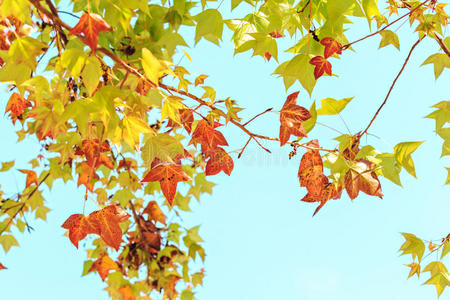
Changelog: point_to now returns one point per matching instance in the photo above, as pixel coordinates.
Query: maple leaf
(106, 221)
(268, 56)
(200, 79)
(186, 119)
(331, 47)
(219, 160)
(16, 105)
(326, 192)
(103, 265)
(85, 177)
(155, 212)
(208, 137)
(322, 66)
(415, 269)
(90, 149)
(362, 177)
(90, 25)
(310, 172)
(31, 177)
(2, 267)
(79, 227)
(291, 118)
(127, 293)
(168, 175)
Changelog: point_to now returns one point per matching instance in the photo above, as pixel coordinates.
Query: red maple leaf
(327, 192)
(267, 55)
(2, 267)
(168, 175)
(208, 137)
(219, 160)
(104, 222)
(90, 25)
(331, 46)
(322, 66)
(90, 149)
(291, 118)
(362, 177)
(103, 265)
(186, 118)
(31, 177)
(16, 105)
(310, 172)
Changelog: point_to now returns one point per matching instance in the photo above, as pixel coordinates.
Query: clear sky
(261, 241)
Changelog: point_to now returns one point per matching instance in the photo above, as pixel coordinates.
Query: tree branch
(23, 204)
(392, 86)
(385, 27)
(441, 43)
(55, 18)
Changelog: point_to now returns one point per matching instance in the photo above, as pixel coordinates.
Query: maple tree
(98, 87)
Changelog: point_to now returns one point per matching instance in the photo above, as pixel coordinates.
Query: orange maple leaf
(104, 222)
(2, 267)
(219, 160)
(79, 227)
(208, 137)
(31, 177)
(267, 55)
(155, 212)
(89, 148)
(16, 104)
(168, 175)
(362, 177)
(103, 265)
(415, 269)
(291, 118)
(322, 66)
(331, 47)
(127, 293)
(186, 118)
(90, 25)
(107, 222)
(327, 191)
(85, 177)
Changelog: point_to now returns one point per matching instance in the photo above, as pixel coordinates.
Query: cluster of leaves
(438, 276)
(100, 98)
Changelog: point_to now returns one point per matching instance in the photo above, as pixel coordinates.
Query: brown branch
(392, 86)
(24, 203)
(245, 146)
(385, 27)
(304, 7)
(441, 43)
(132, 70)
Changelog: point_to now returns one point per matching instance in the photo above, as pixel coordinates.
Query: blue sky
(261, 241)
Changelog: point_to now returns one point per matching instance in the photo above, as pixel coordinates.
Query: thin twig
(392, 86)
(245, 146)
(441, 43)
(385, 27)
(24, 203)
(304, 7)
(260, 114)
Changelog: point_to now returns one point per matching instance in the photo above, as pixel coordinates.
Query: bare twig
(260, 114)
(24, 203)
(392, 86)
(385, 27)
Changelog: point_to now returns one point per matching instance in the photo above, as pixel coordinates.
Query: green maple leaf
(389, 38)
(402, 153)
(440, 61)
(441, 115)
(413, 245)
(440, 281)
